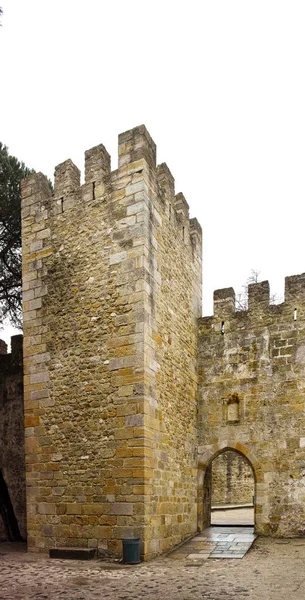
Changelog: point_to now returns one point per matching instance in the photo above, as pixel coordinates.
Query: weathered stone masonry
(129, 393)
(232, 479)
(254, 360)
(112, 294)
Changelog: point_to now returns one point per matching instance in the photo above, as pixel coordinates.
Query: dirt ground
(272, 570)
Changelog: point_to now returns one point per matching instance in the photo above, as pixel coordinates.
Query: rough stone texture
(271, 570)
(112, 293)
(119, 387)
(232, 479)
(252, 369)
(12, 431)
(173, 304)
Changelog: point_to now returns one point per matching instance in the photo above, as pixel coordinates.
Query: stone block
(122, 508)
(72, 553)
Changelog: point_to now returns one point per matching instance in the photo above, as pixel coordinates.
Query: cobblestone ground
(272, 570)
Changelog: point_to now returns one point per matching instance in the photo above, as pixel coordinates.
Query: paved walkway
(216, 542)
(243, 515)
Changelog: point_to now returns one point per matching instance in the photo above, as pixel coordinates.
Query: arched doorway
(227, 489)
(232, 489)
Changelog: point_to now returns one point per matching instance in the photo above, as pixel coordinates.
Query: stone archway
(204, 480)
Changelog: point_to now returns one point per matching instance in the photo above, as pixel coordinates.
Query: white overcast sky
(219, 84)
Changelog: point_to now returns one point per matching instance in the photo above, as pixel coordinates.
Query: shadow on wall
(12, 467)
(9, 529)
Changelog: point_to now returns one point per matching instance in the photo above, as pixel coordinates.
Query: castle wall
(98, 313)
(173, 307)
(232, 479)
(12, 464)
(119, 389)
(252, 381)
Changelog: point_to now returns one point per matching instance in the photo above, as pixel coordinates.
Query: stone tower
(112, 295)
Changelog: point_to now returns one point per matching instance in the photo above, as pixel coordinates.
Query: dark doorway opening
(8, 522)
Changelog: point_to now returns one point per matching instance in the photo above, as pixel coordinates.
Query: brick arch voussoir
(205, 459)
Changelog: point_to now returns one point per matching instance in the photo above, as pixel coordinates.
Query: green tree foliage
(11, 173)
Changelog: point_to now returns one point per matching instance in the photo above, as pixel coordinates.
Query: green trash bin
(131, 551)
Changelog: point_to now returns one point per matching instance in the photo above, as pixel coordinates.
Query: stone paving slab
(217, 542)
(225, 531)
(226, 555)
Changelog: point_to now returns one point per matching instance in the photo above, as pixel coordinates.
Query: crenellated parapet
(66, 179)
(182, 207)
(166, 181)
(224, 302)
(136, 144)
(11, 365)
(259, 308)
(136, 160)
(8, 360)
(176, 207)
(3, 347)
(295, 289)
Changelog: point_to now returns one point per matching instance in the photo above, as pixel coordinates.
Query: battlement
(295, 289)
(3, 347)
(136, 162)
(135, 145)
(166, 180)
(8, 360)
(259, 305)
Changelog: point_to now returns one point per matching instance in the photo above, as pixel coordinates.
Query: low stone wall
(232, 479)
